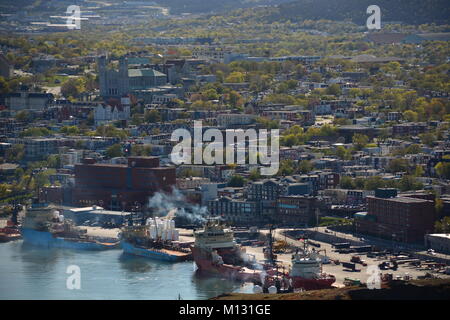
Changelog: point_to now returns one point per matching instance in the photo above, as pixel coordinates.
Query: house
(226, 120)
(25, 100)
(106, 113)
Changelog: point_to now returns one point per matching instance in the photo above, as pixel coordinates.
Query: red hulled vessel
(215, 252)
(306, 272)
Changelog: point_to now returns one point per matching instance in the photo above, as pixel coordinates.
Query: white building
(225, 120)
(107, 113)
(439, 242)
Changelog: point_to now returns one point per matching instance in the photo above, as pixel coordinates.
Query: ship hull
(155, 254)
(8, 234)
(206, 266)
(312, 284)
(9, 237)
(46, 239)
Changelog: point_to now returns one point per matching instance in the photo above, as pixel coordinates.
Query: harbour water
(30, 272)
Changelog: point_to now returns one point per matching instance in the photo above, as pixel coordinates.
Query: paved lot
(285, 259)
(337, 270)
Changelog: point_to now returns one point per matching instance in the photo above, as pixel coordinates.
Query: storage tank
(257, 289)
(272, 289)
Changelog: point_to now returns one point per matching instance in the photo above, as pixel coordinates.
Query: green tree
(411, 116)
(373, 183)
(4, 86)
(254, 175)
(398, 165)
(22, 115)
(141, 150)
(343, 154)
(443, 225)
(286, 168)
(428, 138)
(235, 77)
(443, 169)
(334, 90)
(346, 182)
(15, 153)
(360, 140)
(114, 151)
(70, 130)
(70, 88)
(152, 116)
(305, 166)
(236, 181)
(54, 161)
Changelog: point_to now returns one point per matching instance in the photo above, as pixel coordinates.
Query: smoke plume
(174, 204)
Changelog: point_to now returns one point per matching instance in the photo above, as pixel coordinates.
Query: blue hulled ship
(44, 226)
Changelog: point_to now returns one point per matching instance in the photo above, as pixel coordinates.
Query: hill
(406, 11)
(434, 289)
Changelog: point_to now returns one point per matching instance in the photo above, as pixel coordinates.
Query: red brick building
(296, 210)
(404, 219)
(118, 187)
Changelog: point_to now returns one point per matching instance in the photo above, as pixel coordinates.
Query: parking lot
(339, 271)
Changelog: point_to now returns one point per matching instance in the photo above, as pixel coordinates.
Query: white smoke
(175, 203)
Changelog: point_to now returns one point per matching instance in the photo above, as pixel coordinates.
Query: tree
(235, 99)
(70, 130)
(360, 140)
(235, 77)
(334, 90)
(152, 116)
(305, 166)
(443, 169)
(70, 88)
(4, 86)
(286, 168)
(373, 183)
(15, 153)
(141, 150)
(236, 181)
(114, 151)
(22, 116)
(136, 119)
(254, 175)
(419, 171)
(408, 183)
(110, 131)
(346, 182)
(316, 77)
(443, 225)
(54, 161)
(398, 165)
(427, 138)
(35, 132)
(343, 154)
(411, 116)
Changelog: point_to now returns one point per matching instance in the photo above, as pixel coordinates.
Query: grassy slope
(435, 289)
